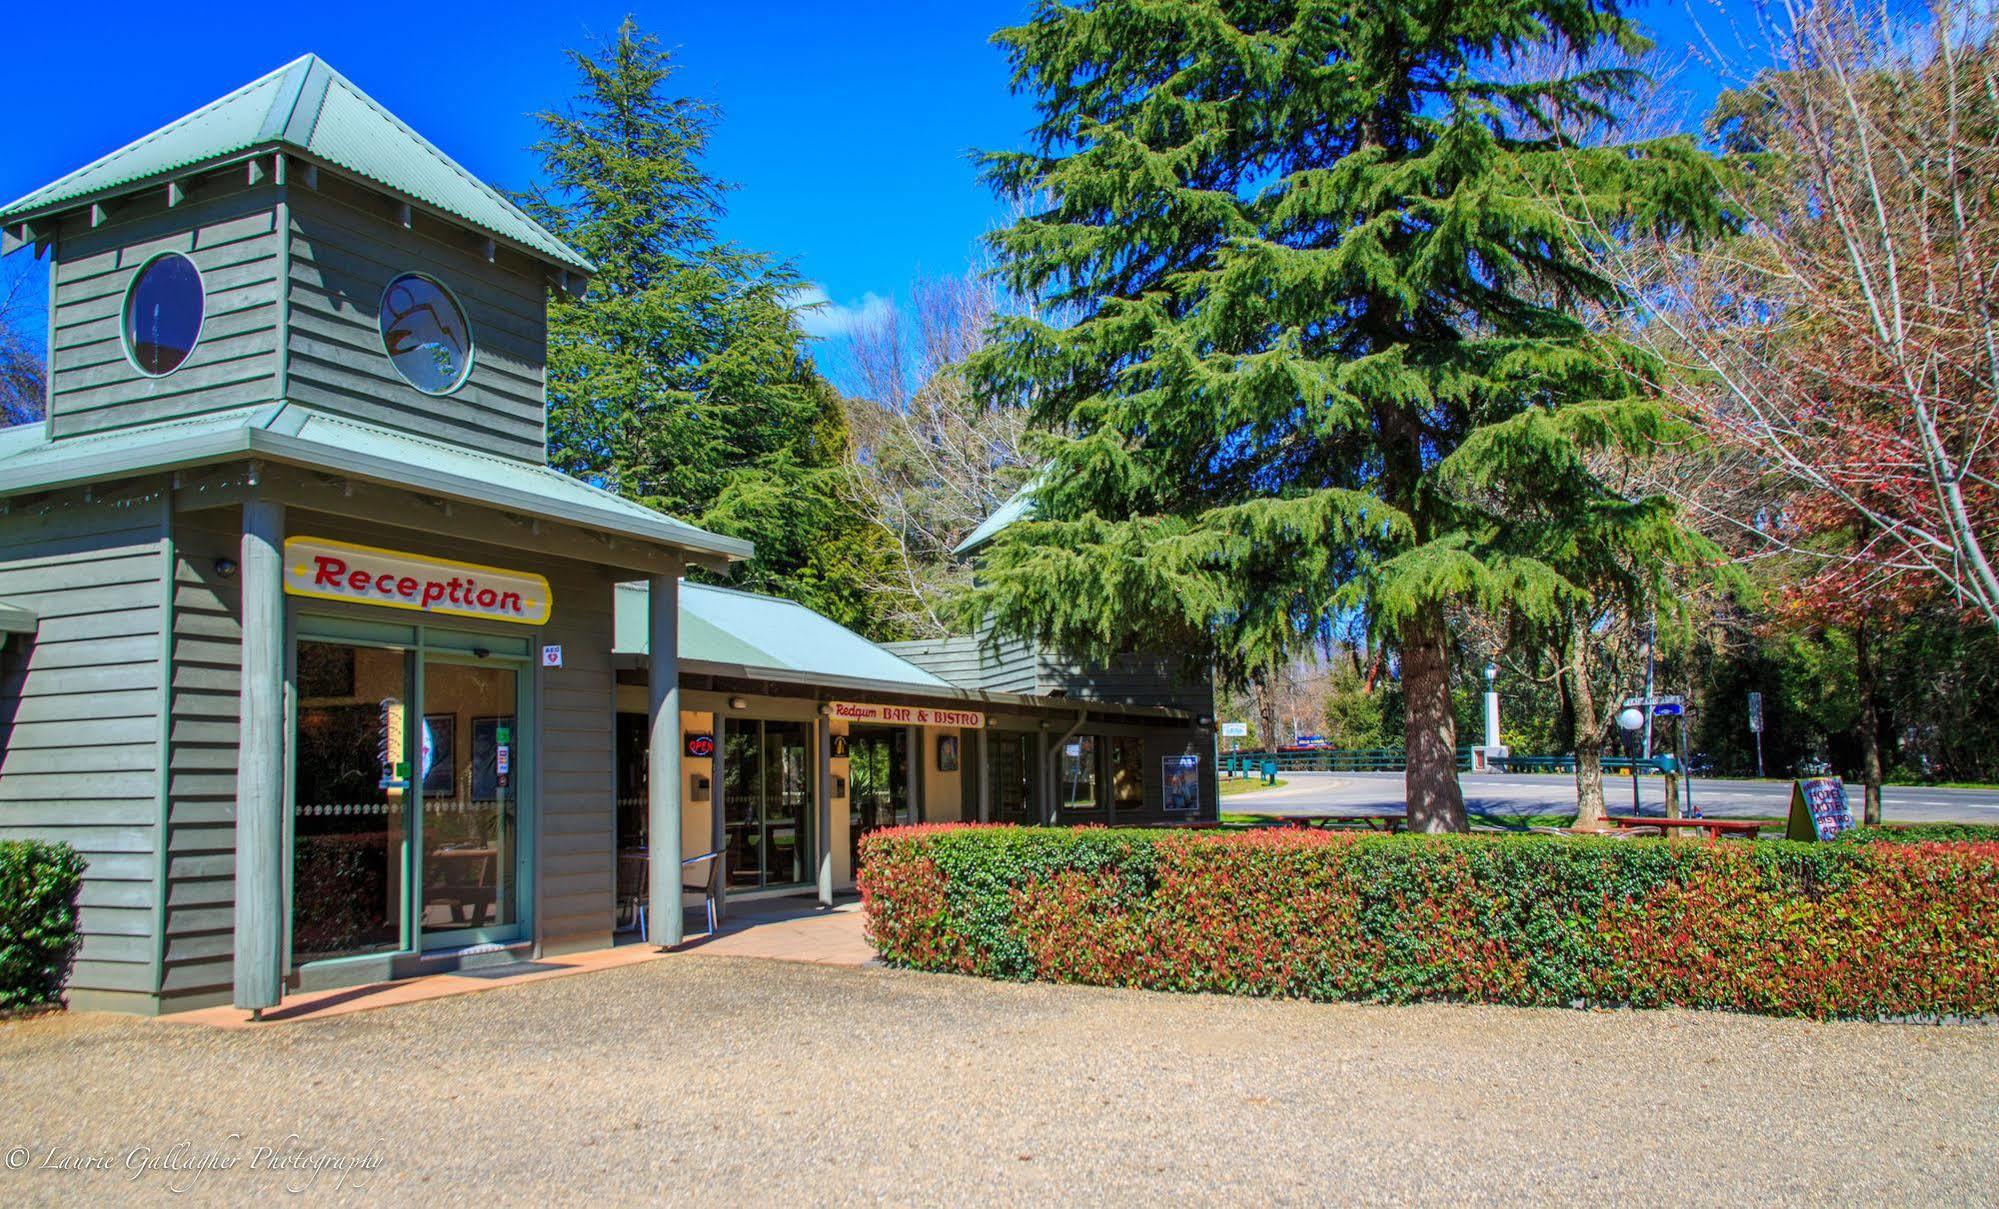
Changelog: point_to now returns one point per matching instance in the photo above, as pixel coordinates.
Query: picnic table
(1716, 828)
(1373, 820)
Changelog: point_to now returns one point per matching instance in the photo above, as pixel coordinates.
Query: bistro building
(332, 679)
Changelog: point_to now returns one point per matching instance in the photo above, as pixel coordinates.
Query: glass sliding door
(350, 800)
(407, 806)
(877, 782)
(767, 803)
(469, 772)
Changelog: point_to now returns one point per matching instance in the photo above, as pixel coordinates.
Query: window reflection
(163, 314)
(425, 334)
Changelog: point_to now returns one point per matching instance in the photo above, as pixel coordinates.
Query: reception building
(332, 678)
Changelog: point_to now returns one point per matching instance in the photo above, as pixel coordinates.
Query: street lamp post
(1493, 749)
(1632, 718)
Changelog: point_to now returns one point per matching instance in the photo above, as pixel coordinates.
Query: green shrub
(38, 883)
(1775, 927)
(1924, 833)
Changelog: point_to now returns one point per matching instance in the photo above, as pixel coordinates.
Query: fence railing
(1395, 759)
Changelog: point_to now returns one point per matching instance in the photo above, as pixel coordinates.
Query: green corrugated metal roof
(1019, 507)
(766, 634)
(306, 107)
(296, 434)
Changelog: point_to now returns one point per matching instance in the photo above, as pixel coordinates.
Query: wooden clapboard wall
(346, 246)
(228, 229)
(80, 715)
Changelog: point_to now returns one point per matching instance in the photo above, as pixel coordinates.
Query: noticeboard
(1819, 809)
(1180, 784)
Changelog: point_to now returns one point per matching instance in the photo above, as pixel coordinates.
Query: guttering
(943, 692)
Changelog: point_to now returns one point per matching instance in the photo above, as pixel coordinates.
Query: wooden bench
(1715, 828)
(1379, 820)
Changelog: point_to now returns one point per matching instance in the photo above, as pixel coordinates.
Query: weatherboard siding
(345, 250)
(79, 710)
(202, 758)
(229, 232)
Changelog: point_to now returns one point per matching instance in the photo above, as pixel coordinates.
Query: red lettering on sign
(488, 598)
(358, 581)
(433, 591)
(406, 588)
(385, 583)
(330, 571)
(511, 602)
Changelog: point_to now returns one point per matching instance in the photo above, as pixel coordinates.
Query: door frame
(419, 644)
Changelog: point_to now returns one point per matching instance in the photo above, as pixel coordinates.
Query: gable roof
(306, 108)
(297, 435)
(764, 634)
(1018, 507)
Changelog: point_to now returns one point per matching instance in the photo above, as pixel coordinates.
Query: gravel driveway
(699, 1079)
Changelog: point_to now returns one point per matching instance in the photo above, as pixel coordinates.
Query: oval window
(163, 313)
(425, 334)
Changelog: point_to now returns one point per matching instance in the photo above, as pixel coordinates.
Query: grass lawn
(1247, 784)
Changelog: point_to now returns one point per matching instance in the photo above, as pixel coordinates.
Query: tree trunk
(1586, 729)
(1870, 726)
(1436, 802)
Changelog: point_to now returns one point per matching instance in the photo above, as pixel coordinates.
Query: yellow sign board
(903, 715)
(325, 569)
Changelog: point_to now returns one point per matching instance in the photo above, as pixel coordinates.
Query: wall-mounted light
(825, 709)
(738, 703)
(225, 568)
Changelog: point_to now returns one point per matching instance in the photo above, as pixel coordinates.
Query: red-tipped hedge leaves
(1775, 927)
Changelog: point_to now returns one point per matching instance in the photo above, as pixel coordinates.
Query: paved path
(1534, 793)
(711, 1080)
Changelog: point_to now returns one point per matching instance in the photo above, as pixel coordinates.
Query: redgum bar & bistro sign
(325, 569)
(904, 715)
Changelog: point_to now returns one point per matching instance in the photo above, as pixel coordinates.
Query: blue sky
(846, 125)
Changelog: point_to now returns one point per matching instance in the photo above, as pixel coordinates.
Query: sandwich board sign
(1819, 809)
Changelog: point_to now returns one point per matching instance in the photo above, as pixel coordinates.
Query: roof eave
(13, 219)
(905, 688)
(205, 448)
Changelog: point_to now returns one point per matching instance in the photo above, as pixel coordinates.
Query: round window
(163, 313)
(425, 334)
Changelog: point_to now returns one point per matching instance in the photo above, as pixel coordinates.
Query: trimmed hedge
(1923, 833)
(38, 883)
(1782, 928)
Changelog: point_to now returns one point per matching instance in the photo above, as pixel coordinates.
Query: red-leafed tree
(1845, 351)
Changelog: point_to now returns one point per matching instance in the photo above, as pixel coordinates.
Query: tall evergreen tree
(1293, 253)
(680, 380)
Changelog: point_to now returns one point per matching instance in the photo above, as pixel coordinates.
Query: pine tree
(680, 380)
(1293, 254)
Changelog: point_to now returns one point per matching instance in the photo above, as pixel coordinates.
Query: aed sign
(324, 569)
(904, 715)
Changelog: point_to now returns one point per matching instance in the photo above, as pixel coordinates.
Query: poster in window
(493, 757)
(440, 757)
(1181, 785)
(947, 753)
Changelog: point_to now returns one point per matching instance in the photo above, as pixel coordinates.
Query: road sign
(1672, 705)
(1756, 713)
(1235, 730)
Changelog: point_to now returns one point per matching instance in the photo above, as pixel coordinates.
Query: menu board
(1819, 809)
(1181, 782)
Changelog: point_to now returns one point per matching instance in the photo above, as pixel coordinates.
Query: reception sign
(330, 570)
(904, 715)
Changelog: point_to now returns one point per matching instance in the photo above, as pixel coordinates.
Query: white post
(1491, 720)
(260, 768)
(823, 829)
(664, 914)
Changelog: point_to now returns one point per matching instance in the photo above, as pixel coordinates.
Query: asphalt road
(1508, 794)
